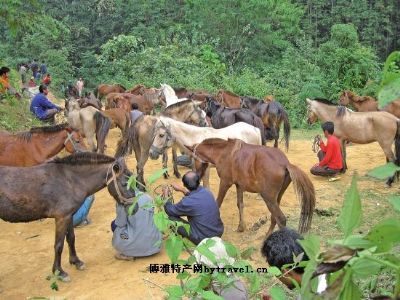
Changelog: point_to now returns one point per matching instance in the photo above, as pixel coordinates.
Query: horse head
(74, 141)
(212, 106)
(117, 183)
(162, 139)
(312, 116)
(345, 98)
(197, 116)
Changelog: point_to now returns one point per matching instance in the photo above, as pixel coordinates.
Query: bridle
(113, 179)
(167, 139)
(72, 141)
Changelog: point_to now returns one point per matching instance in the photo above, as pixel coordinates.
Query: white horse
(169, 132)
(91, 123)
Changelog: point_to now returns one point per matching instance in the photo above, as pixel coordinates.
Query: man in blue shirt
(42, 107)
(200, 208)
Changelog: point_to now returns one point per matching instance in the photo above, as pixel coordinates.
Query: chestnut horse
(256, 169)
(145, 102)
(228, 99)
(103, 90)
(35, 146)
(359, 127)
(367, 103)
(56, 190)
(273, 115)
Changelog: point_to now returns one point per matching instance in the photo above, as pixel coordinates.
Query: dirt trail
(26, 251)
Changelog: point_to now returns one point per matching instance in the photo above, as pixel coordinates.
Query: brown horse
(35, 146)
(223, 117)
(360, 103)
(367, 103)
(90, 100)
(56, 190)
(256, 169)
(103, 90)
(125, 101)
(228, 99)
(140, 134)
(273, 115)
(118, 117)
(359, 127)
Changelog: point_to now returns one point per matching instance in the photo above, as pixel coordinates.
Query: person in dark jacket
(42, 107)
(200, 208)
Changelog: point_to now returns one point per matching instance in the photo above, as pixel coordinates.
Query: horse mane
(252, 100)
(83, 158)
(324, 101)
(27, 135)
(341, 111)
(121, 86)
(175, 105)
(179, 89)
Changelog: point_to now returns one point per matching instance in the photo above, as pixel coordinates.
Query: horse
(223, 117)
(367, 103)
(145, 102)
(139, 136)
(90, 122)
(256, 169)
(228, 99)
(103, 90)
(169, 132)
(35, 146)
(57, 189)
(90, 100)
(118, 118)
(359, 127)
(71, 91)
(360, 103)
(273, 115)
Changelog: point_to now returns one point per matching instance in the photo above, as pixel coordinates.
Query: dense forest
(290, 49)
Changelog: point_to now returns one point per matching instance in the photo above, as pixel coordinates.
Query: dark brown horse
(103, 90)
(35, 146)
(273, 115)
(228, 99)
(222, 117)
(90, 100)
(56, 190)
(256, 169)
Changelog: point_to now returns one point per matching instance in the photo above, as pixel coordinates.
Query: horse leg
(343, 142)
(387, 149)
(140, 169)
(73, 258)
(165, 164)
(206, 178)
(240, 205)
(174, 160)
(277, 217)
(61, 230)
(223, 188)
(276, 143)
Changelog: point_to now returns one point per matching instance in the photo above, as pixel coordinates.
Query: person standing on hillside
(79, 86)
(43, 69)
(47, 80)
(42, 107)
(35, 68)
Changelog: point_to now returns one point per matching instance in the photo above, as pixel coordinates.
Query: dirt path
(26, 251)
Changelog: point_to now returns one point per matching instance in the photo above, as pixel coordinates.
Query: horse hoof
(166, 175)
(64, 277)
(177, 175)
(241, 228)
(79, 265)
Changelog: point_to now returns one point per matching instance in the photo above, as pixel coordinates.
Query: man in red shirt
(330, 155)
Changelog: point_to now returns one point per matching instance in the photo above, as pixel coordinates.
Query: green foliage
(390, 83)
(385, 171)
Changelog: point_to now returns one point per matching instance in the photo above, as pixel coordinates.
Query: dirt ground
(26, 250)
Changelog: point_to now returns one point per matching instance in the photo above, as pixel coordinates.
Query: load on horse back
(256, 169)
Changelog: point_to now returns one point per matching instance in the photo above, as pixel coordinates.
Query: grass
(15, 115)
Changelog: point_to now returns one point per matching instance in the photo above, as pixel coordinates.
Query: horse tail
(305, 192)
(397, 144)
(124, 146)
(103, 125)
(257, 122)
(127, 122)
(286, 128)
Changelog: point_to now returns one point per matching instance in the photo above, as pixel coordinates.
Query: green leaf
(277, 293)
(385, 234)
(183, 275)
(209, 295)
(274, 271)
(385, 171)
(311, 245)
(132, 206)
(174, 292)
(350, 216)
(389, 92)
(363, 267)
(357, 242)
(248, 252)
(132, 183)
(231, 249)
(161, 220)
(156, 175)
(350, 289)
(173, 246)
(395, 201)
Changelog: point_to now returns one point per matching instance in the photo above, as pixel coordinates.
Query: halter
(125, 201)
(315, 145)
(72, 141)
